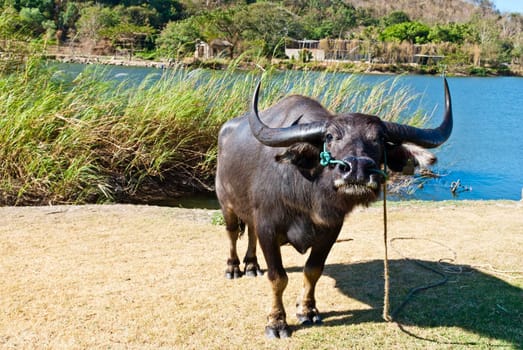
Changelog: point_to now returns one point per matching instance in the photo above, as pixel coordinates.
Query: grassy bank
(88, 139)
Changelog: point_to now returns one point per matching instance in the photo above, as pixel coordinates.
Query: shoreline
(394, 205)
(335, 66)
(110, 60)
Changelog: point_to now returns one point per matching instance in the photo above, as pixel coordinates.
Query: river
(485, 151)
(484, 155)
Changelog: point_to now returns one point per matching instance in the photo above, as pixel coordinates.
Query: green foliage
(260, 27)
(43, 6)
(395, 17)
(179, 38)
(452, 33)
(221, 24)
(127, 30)
(267, 23)
(413, 32)
(94, 20)
(70, 15)
(32, 18)
(330, 21)
(10, 23)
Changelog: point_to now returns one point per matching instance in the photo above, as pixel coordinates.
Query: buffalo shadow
(470, 299)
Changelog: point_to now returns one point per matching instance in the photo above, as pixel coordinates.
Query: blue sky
(509, 5)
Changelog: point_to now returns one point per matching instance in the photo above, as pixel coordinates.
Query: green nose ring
(326, 158)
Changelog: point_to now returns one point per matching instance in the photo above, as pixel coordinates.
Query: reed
(89, 139)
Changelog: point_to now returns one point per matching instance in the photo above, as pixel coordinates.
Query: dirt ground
(126, 276)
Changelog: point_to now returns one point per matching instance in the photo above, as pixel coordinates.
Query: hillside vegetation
(471, 33)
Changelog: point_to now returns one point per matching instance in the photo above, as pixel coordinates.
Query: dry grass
(144, 277)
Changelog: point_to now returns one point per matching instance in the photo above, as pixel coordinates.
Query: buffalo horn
(282, 137)
(427, 138)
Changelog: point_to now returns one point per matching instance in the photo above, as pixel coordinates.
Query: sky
(509, 5)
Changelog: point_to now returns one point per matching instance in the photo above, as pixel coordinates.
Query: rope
(386, 282)
(444, 278)
(327, 159)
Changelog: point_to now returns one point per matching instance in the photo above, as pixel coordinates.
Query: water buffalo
(293, 177)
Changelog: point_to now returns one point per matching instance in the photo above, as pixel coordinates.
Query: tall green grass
(89, 139)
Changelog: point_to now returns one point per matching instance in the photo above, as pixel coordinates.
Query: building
(216, 48)
(361, 51)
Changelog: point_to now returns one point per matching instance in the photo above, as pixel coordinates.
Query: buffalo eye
(329, 138)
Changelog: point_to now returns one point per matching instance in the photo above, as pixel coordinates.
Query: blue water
(485, 150)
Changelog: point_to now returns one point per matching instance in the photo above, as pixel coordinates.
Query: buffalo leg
(232, 225)
(252, 269)
(306, 312)
(276, 320)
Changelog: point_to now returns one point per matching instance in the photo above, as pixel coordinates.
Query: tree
(486, 7)
(179, 38)
(128, 35)
(486, 32)
(94, 20)
(168, 10)
(395, 17)
(222, 24)
(46, 7)
(260, 26)
(264, 26)
(452, 33)
(413, 32)
(329, 19)
(32, 19)
(511, 26)
(68, 18)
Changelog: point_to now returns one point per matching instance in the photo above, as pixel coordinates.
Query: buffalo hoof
(308, 316)
(278, 332)
(253, 271)
(252, 268)
(233, 272)
(309, 320)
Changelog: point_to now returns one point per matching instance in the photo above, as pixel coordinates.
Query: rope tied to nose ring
(327, 159)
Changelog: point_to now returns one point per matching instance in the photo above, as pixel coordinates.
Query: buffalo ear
(404, 158)
(305, 156)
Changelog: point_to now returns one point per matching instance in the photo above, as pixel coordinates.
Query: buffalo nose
(346, 166)
(356, 168)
